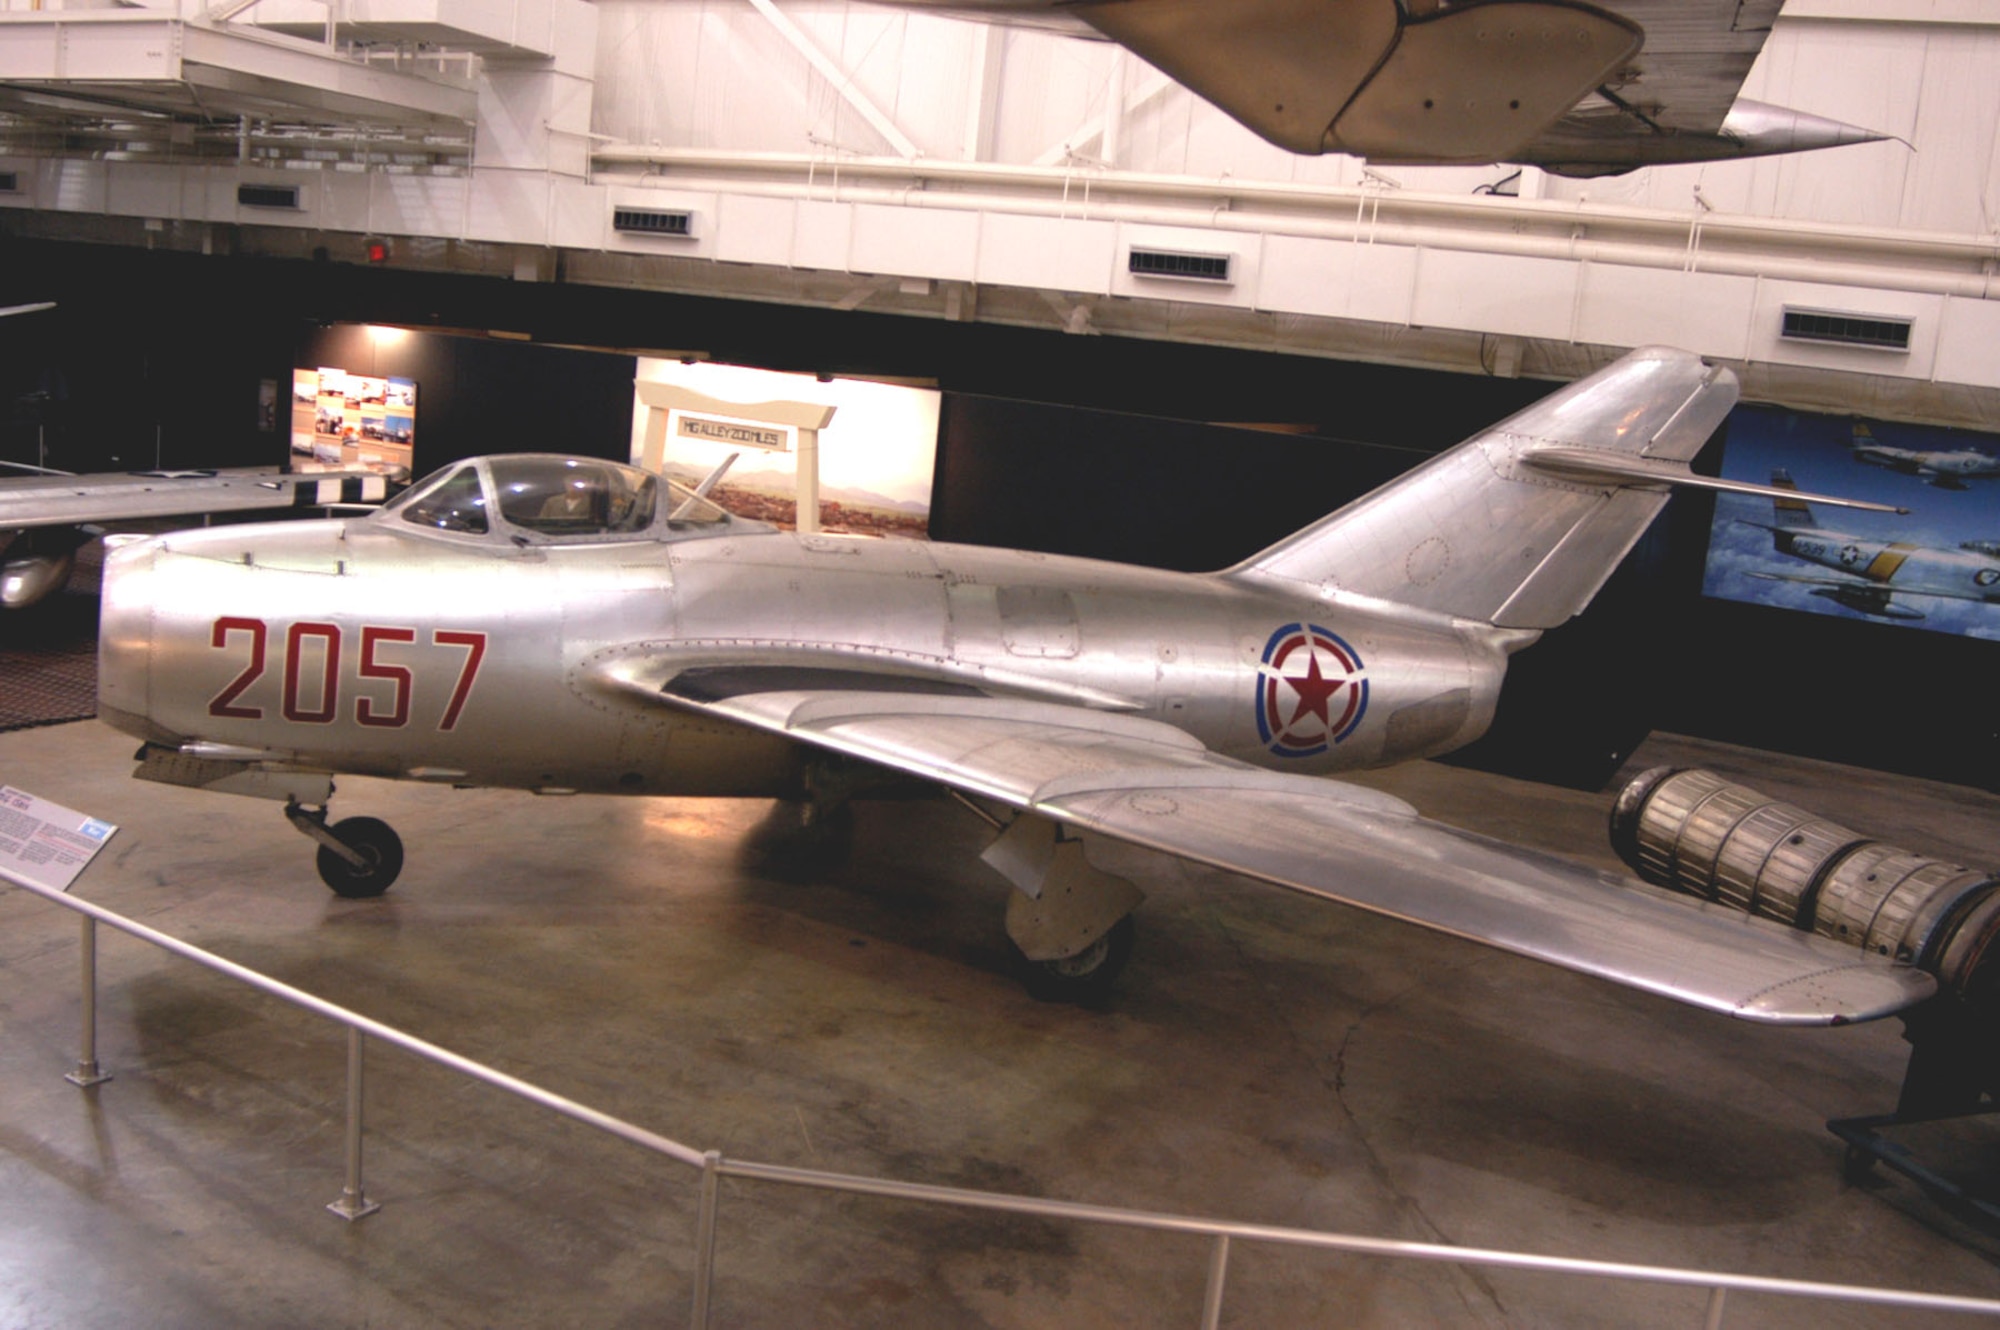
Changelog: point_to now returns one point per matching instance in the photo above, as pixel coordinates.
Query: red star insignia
(1314, 691)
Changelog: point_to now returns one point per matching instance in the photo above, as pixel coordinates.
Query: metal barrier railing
(353, 1203)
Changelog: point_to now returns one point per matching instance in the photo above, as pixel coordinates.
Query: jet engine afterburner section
(1696, 832)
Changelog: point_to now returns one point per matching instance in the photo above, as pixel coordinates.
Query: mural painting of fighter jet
(1945, 470)
(564, 624)
(1872, 571)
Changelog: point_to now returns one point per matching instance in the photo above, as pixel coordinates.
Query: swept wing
(28, 502)
(1152, 784)
(1573, 86)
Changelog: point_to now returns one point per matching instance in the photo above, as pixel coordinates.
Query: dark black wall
(156, 359)
(1136, 489)
(188, 336)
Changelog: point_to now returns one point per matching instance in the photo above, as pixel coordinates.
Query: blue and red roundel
(1311, 691)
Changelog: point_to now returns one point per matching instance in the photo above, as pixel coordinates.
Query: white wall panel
(77, 187)
(341, 199)
(216, 200)
(419, 205)
(144, 189)
(29, 53)
(573, 25)
(913, 242)
(69, 185)
(750, 228)
(1047, 253)
(1342, 279)
(508, 207)
(823, 235)
(579, 215)
(1705, 312)
(1968, 349)
(514, 110)
(1495, 293)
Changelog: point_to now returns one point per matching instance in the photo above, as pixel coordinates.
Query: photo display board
(1936, 567)
(345, 422)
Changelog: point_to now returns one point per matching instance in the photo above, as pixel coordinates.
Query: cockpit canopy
(537, 498)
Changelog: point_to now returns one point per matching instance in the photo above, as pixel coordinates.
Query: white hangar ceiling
(844, 155)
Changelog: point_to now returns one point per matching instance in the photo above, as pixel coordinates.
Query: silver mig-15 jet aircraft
(562, 624)
(1945, 470)
(1874, 571)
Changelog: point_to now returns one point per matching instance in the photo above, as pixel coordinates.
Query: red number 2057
(312, 678)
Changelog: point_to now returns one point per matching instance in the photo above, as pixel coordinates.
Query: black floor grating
(48, 654)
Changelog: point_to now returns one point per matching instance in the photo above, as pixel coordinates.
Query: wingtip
(1840, 995)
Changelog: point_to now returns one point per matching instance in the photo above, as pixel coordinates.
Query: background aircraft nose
(125, 635)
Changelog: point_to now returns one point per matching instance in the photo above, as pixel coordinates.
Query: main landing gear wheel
(377, 843)
(1085, 978)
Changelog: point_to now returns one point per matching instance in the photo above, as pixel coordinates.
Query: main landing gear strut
(1070, 921)
(359, 857)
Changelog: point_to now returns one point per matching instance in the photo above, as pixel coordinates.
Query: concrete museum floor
(1268, 1058)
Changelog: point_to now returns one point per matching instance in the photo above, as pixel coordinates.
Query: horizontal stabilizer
(1594, 467)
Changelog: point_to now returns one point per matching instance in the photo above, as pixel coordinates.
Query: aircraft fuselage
(1895, 565)
(1944, 470)
(361, 646)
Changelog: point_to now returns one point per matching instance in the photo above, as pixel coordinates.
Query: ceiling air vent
(1169, 263)
(268, 196)
(652, 221)
(1820, 325)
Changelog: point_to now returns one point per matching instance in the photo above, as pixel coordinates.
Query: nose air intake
(125, 639)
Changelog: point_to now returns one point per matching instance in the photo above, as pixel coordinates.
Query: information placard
(46, 843)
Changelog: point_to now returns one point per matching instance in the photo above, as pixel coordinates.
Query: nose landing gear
(359, 857)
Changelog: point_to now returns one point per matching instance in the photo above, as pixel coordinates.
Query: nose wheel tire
(377, 843)
(1085, 978)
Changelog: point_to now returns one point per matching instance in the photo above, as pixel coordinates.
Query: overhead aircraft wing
(27, 502)
(1580, 87)
(1151, 784)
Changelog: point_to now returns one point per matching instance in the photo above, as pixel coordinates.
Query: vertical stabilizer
(1482, 532)
(1789, 511)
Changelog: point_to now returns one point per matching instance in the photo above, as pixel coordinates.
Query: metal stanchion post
(1218, 1271)
(87, 1072)
(353, 1203)
(704, 1238)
